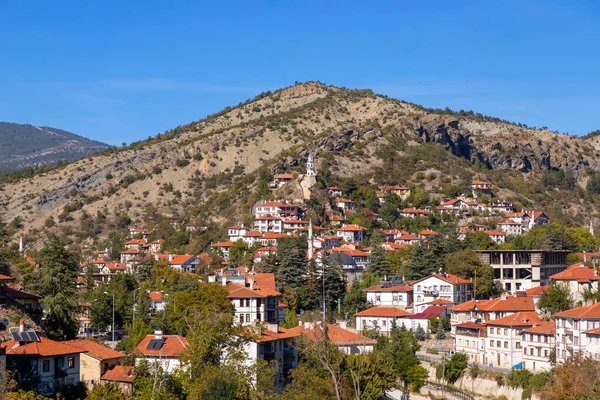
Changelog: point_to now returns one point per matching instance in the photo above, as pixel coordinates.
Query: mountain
(24, 145)
(213, 170)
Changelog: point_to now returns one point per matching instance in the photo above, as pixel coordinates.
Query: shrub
(182, 163)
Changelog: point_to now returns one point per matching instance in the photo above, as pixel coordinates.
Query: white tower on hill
(310, 165)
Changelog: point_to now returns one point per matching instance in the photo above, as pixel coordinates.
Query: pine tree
(292, 267)
(441, 333)
(57, 283)
(420, 333)
(335, 285)
(355, 300)
(379, 265)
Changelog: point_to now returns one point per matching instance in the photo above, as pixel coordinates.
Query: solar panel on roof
(27, 336)
(155, 344)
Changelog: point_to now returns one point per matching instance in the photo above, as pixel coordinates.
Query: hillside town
(285, 281)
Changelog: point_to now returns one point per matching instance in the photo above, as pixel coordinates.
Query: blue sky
(120, 71)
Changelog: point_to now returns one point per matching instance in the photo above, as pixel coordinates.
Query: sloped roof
(450, 278)
(337, 335)
(352, 228)
(431, 311)
(523, 318)
(21, 294)
(544, 328)
(96, 349)
(577, 272)
(586, 312)
(44, 348)
(398, 288)
(383, 311)
(471, 325)
(180, 259)
(155, 295)
(173, 346)
(269, 336)
(227, 243)
(120, 373)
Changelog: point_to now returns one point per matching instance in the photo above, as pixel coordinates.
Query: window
(71, 362)
(518, 345)
(491, 343)
(247, 302)
(539, 352)
(531, 351)
(377, 297)
(546, 353)
(383, 323)
(545, 339)
(46, 366)
(241, 318)
(258, 317)
(258, 302)
(241, 302)
(247, 317)
(505, 332)
(525, 350)
(498, 343)
(506, 345)
(466, 343)
(491, 331)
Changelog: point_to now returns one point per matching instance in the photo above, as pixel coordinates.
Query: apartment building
(504, 343)
(442, 286)
(538, 342)
(572, 330)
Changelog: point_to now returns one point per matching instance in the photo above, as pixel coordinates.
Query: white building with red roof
(344, 204)
(280, 180)
(95, 361)
(326, 242)
(382, 319)
(579, 279)
(279, 209)
(510, 228)
(390, 294)
(346, 341)
(399, 190)
(538, 342)
(352, 233)
(496, 236)
(253, 237)
(441, 286)
(183, 262)
(162, 351)
(268, 223)
(572, 330)
(223, 247)
(414, 212)
(470, 338)
(236, 232)
(335, 191)
(157, 300)
(294, 225)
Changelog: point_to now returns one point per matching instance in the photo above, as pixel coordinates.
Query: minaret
(310, 165)
(591, 228)
(21, 247)
(310, 241)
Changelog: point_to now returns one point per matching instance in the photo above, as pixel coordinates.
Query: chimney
(21, 326)
(503, 297)
(158, 335)
(170, 257)
(224, 280)
(251, 284)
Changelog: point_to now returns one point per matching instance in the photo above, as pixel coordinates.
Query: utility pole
(113, 318)
(134, 290)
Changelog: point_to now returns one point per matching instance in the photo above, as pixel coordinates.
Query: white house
(326, 242)
(267, 223)
(157, 301)
(335, 191)
(572, 328)
(390, 293)
(538, 342)
(414, 212)
(382, 319)
(442, 286)
(184, 262)
(236, 232)
(279, 209)
(253, 237)
(579, 279)
(496, 236)
(470, 338)
(162, 351)
(352, 233)
(54, 363)
(510, 228)
(502, 206)
(344, 204)
(253, 295)
(505, 348)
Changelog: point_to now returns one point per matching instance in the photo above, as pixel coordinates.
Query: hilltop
(211, 171)
(24, 145)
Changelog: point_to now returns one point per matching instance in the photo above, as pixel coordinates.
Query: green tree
(57, 283)
(467, 264)
(355, 300)
(106, 391)
(220, 388)
(555, 298)
(335, 285)
(291, 253)
(419, 197)
(454, 368)
(399, 349)
(379, 265)
(478, 240)
(237, 252)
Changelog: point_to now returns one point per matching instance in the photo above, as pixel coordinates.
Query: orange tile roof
(439, 302)
(341, 200)
(95, 349)
(131, 251)
(586, 312)
(227, 243)
(399, 288)
(253, 234)
(114, 266)
(173, 346)
(492, 232)
(595, 331)
(428, 232)
(471, 325)
(510, 303)
(180, 259)
(383, 311)
(336, 218)
(450, 278)
(476, 182)
(44, 348)
(352, 228)
(522, 318)
(415, 211)
(120, 373)
(205, 258)
(577, 272)
(536, 290)
(155, 296)
(337, 335)
(544, 328)
(350, 252)
(269, 336)
(283, 176)
(135, 241)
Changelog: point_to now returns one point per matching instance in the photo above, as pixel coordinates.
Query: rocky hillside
(209, 170)
(24, 145)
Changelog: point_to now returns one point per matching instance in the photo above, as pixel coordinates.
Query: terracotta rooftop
(337, 335)
(439, 302)
(586, 312)
(398, 288)
(536, 290)
(351, 228)
(96, 349)
(471, 325)
(544, 328)
(155, 296)
(577, 272)
(269, 336)
(523, 318)
(382, 311)
(431, 311)
(173, 346)
(180, 259)
(450, 278)
(120, 373)
(44, 348)
(227, 243)
(510, 303)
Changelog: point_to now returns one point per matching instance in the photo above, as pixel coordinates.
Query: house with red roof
(267, 223)
(470, 338)
(421, 319)
(294, 225)
(95, 361)
(352, 233)
(157, 301)
(54, 363)
(573, 328)
(382, 319)
(279, 209)
(253, 237)
(414, 212)
(538, 342)
(122, 376)
(263, 252)
(162, 351)
(183, 262)
(496, 236)
(443, 286)
(236, 232)
(399, 190)
(502, 206)
(510, 228)
(346, 341)
(392, 293)
(335, 191)
(505, 347)
(280, 180)
(579, 279)
(344, 204)
(481, 187)
(326, 242)
(223, 247)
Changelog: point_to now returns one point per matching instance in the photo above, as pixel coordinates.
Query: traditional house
(95, 360)
(442, 286)
(344, 204)
(122, 376)
(254, 296)
(162, 351)
(538, 342)
(497, 237)
(294, 225)
(183, 263)
(572, 329)
(335, 191)
(382, 319)
(264, 252)
(393, 293)
(346, 341)
(326, 242)
(280, 180)
(399, 190)
(352, 233)
(470, 338)
(337, 220)
(502, 206)
(156, 246)
(157, 301)
(237, 232)
(53, 363)
(266, 224)
(279, 209)
(253, 237)
(505, 348)
(223, 247)
(481, 187)
(510, 228)
(421, 319)
(579, 279)
(414, 212)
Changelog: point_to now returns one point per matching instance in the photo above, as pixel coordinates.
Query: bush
(182, 163)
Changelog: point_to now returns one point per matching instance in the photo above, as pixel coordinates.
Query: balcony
(428, 292)
(269, 356)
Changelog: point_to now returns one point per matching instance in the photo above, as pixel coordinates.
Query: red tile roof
(21, 294)
(95, 349)
(338, 336)
(471, 325)
(450, 278)
(383, 311)
(350, 252)
(120, 373)
(544, 328)
(44, 348)
(155, 296)
(415, 211)
(439, 302)
(352, 228)
(523, 318)
(270, 336)
(173, 346)
(6, 278)
(227, 243)
(180, 259)
(431, 311)
(536, 290)
(510, 303)
(399, 288)
(586, 312)
(283, 176)
(577, 272)
(595, 331)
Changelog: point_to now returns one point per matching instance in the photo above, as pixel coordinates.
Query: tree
(308, 384)
(578, 378)
(398, 259)
(106, 391)
(424, 260)
(420, 333)
(419, 197)
(57, 283)
(467, 264)
(237, 252)
(291, 254)
(440, 333)
(379, 265)
(335, 285)
(454, 368)
(555, 298)
(355, 300)
(220, 388)
(558, 237)
(478, 240)
(400, 349)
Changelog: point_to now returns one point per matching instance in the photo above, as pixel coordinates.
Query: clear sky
(124, 70)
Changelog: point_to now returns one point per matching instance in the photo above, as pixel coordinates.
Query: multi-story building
(518, 270)
(579, 279)
(162, 351)
(95, 360)
(382, 319)
(390, 293)
(442, 286)
(326, 242)
(470, 338)
(346, 341)
(399, 190)
(352, 233)
(510, 228)
(504, 342)
(344, 204)
(538, 343)
(237, 232)
(267, 223)
(280, 209)
(572, 329)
